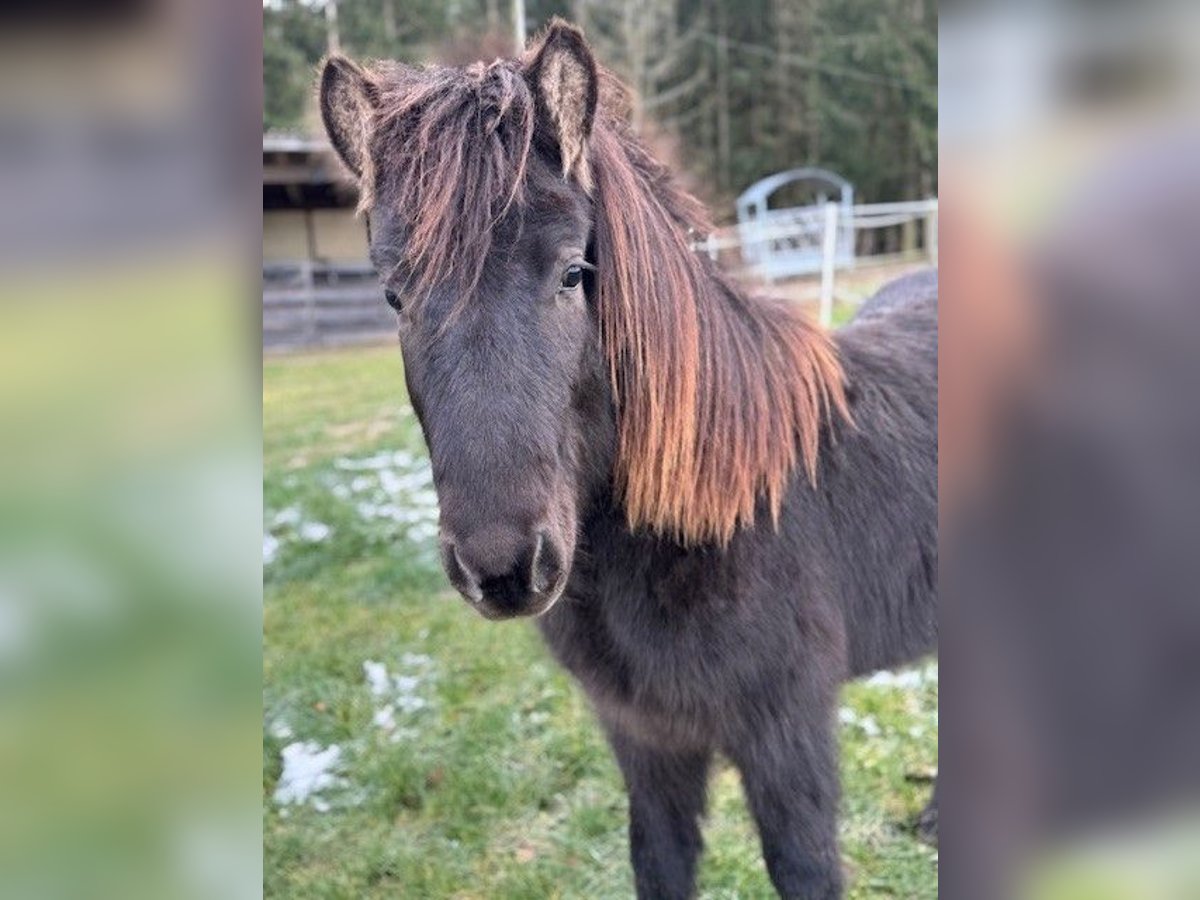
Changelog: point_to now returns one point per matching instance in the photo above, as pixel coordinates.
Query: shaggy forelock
(450, 153)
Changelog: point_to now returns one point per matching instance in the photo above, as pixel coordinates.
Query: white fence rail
(917, 221)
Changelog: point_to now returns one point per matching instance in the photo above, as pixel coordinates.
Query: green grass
(492, 782)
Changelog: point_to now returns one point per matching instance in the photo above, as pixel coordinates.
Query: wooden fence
(309, 304)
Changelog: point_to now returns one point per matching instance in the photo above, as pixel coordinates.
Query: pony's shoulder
(913, 290)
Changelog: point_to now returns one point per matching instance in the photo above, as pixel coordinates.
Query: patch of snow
(410, 703)
(399, 690)
(385, 718)
(390, 489)
(400, 459)
(423, 532)
(289, 525)
(906, 680)
(307, 771)
(406, 684)
(909, 679)
(869, 726)
(368, 510)
(416, 481)
(280, 730)
(425, 499)
(377, 677)
(314, 532)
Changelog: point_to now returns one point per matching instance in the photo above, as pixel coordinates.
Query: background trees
(742, 88)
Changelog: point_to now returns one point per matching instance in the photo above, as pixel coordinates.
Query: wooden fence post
(309, 310)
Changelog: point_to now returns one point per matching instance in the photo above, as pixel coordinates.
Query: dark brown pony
(717, 511)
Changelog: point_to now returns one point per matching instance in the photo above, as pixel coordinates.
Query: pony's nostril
(461, 576)
(545, 568)
(535, 567)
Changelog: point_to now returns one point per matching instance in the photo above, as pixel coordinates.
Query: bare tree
(332, 40)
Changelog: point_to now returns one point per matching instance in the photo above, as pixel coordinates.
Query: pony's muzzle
(504, 573)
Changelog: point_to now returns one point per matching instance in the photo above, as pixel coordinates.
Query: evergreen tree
(743, 88)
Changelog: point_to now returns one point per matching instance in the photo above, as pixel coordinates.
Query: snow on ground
(290, 526)
(308, 770)
(313, 532)
(909, 679)
(387, 459)
(377, 677)
(389, 496)
(392, 490)
(400, 692)
(867, 724)
(311, 773)
(905, 680)
(385, 718)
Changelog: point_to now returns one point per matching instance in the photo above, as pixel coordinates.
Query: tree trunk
(332, 39)
(724, 176)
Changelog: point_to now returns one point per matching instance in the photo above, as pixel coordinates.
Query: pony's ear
(348, 97)
(566, 84)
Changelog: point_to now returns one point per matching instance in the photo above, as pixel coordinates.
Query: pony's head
(561, 341)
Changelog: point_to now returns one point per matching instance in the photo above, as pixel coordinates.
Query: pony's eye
(572, 277)
(393, 301)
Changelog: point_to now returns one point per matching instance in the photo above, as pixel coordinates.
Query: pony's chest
(653, 650)
(650, 684)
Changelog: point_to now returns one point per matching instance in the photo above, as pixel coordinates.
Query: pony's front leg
(666, 801)
(789, 773)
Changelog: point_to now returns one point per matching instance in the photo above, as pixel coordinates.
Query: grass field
(412, 749)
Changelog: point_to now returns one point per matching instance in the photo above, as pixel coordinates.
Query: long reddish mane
(720, 396)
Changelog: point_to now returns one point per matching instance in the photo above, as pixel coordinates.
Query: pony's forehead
(548, 205)
(550, 217)
(451, 151)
